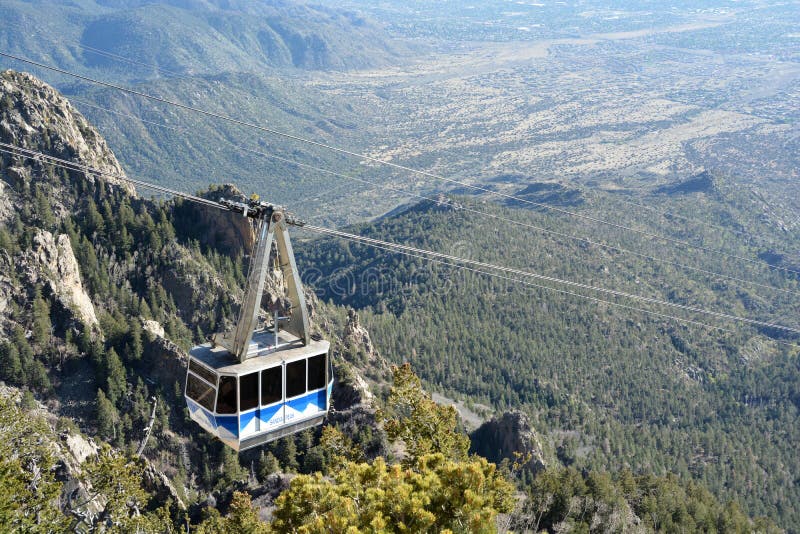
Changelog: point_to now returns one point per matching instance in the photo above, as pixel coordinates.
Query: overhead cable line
(735, 280)
(406, 168)
(533, 284)
(562, 291)
(71, 165)
(58, 162)
(519, 272)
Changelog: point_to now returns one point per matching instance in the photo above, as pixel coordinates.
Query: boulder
(153, 328)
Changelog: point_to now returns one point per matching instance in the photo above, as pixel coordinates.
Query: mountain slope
(610, 387)
(96, 284)
(100, 293)
(194, 151)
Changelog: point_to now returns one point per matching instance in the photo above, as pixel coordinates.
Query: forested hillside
(101, 291)
(609, 387)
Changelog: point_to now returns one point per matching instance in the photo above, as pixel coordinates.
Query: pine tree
(93, 221)
(41, 319)
(44, 210)
(7, 102)
(10, 364)
(119, 478)
(37, 377)
(26, 358)
(424, 426)
(433, 495)
(314, 460)
(286, 452)
(29, 492)
(113, 373)
(85, 341)
(267, 464)
(303, 442)
(231, 469)
(135, 346)
(242, 518)
(28, 402)
(107, 416)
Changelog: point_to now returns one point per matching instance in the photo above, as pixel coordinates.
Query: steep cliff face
(52, 261)
(507, 436)
(40, 197)
(214, 228)
(97, 292)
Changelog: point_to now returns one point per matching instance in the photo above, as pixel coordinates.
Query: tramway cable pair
(262, 381)
(258, 382)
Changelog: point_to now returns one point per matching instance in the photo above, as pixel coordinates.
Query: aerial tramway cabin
(262, 381)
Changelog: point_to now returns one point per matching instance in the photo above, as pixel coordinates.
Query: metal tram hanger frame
(272, 224)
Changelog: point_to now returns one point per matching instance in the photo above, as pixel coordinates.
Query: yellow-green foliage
(423, 426)
(241, 519)
(29, 492)
(28, 489)
(117, 479)
(437, 488)
(435, 495)
(338, 448)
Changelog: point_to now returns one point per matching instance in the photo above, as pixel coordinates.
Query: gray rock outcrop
(509, 436)
(164, 361)
(52, 261)
(356, 336)
(158, 484)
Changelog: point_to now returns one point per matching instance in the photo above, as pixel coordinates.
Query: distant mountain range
(193, 37)
(250, 60)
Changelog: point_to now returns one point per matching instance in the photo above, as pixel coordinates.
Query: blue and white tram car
(282, 391)
(255, 384)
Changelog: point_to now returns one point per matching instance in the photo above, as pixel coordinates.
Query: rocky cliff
(52, 261)
(213, 228)
(509, 436)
